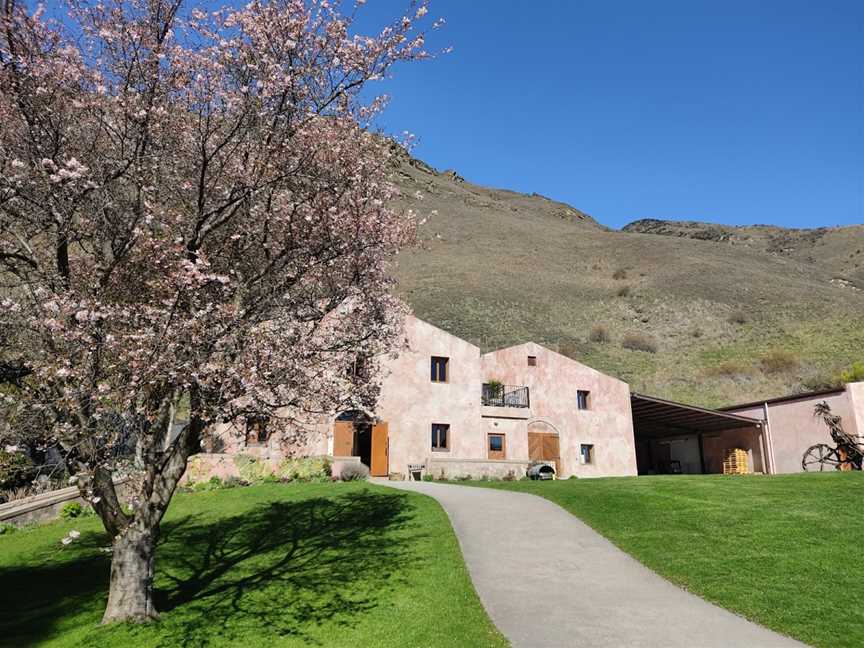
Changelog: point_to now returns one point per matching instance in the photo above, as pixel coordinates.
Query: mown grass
(270, 565)
(784, 551)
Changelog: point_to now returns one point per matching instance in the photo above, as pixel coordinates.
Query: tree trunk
(130, 597)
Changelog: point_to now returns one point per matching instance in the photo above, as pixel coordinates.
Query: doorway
(356, 435)
(544, 446)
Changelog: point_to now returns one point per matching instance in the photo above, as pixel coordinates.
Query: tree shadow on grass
(279, 569)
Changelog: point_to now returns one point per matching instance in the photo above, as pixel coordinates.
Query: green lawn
(270, 565)
(785, 551)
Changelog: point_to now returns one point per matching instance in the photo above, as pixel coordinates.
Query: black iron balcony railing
(498, 395)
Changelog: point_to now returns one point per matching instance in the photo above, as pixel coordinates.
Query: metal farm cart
(847, 453)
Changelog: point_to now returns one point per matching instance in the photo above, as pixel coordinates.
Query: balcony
(498, 395)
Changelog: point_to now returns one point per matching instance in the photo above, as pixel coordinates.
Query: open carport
(674, 438)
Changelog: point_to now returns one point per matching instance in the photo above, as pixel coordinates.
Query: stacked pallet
(735, 462)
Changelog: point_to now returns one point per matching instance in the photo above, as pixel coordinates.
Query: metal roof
(784, 399)
(657, 417)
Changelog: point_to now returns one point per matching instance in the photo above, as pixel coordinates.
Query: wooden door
(343, 438)
(552, 451)
(497, 445)
(380, 451)
(545, 447)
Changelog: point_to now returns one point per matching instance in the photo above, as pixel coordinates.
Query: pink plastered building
(447, 410)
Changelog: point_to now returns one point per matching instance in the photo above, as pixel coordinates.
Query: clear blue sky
(728, 111)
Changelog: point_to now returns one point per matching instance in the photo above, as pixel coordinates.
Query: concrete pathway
(547, 579)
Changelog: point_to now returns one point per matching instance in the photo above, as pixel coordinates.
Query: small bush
(728, 369)
(304, 469)
(821, 380)
(233, 482)
(854, 374)
(639, 342)
(6, 528)
(214, 483)
(428, 478)
(737, 317)
(779, 361)
(354, 471)
(252, 470)
(16, 469)
(623, 291)
(71, 510)
(599, 334)
(619, 274)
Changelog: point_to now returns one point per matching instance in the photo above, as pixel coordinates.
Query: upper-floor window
(440, 369)
(583, 399)
(586, 453)
(440, 437)
(532, 361)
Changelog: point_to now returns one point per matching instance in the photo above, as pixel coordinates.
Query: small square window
(440, 437)
(440, 369)
(586, 453)
(532, 361)
(497, 447)
(583, 399)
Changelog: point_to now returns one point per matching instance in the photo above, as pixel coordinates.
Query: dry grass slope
(498, 267)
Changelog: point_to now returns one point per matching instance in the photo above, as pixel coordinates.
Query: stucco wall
(716, 445)
(410, 402)
(553, 384)
(793, 428)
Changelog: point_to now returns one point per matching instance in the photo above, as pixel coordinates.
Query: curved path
(547, 579)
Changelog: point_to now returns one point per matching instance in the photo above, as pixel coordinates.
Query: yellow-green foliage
(196, 470)
(252, 470)
(304, 469)
(854, 374)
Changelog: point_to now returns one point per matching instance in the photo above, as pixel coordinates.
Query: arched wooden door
(544, 445)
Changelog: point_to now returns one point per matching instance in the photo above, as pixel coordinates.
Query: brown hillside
(499, 267)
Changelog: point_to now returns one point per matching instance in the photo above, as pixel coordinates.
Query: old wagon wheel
(820, 457)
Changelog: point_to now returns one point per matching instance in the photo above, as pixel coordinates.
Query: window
(532, 361)
(256, 430)
(497, 446)
(440, 437)
(440, 369)
(586, 452)
(582, 397)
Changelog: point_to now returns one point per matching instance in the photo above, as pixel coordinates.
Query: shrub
(599, 333)
(354, 471)
(728, 369)
(16, 469)
(737, 317)
(233, 482)
(854, 374)
(71, 510)
(639, 342)
(779, 361)
(214, 483)
(822, 380)
(619, 274)
(6, 528)
(252, 470)
(623, 291)
(304, 469)
(428, 478)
